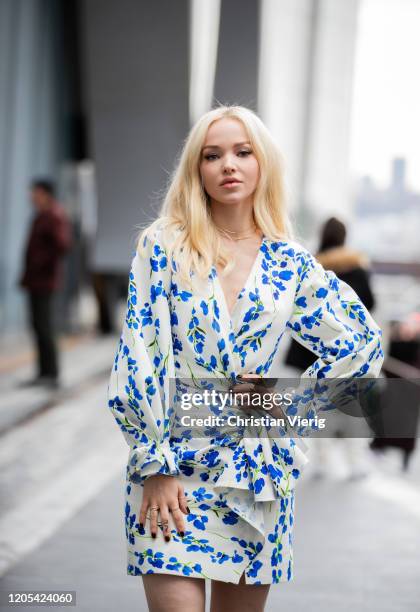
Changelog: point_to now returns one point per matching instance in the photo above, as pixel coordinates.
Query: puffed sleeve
(139, 390)
(329, 319)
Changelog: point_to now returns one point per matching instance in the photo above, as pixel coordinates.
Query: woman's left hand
(258, 393)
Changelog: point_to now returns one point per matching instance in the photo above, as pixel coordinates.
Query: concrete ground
(357, 542)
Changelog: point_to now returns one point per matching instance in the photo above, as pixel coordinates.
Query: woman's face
(228, 166)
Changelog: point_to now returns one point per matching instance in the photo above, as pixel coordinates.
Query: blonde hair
(188, 231)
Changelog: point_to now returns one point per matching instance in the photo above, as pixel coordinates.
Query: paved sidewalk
(83, 359)
(62, 508)
(352, 552)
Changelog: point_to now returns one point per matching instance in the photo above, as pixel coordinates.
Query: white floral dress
(240, 492)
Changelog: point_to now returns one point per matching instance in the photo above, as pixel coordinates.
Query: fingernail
(141, 525)
(167, 538)
(153, 535)
(181, 533)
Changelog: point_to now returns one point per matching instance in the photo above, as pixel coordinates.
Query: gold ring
(154, 508)
(173, 509)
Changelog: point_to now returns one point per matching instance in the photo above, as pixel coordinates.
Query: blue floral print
(240, 489)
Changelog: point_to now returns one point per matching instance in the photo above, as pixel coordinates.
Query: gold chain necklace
(226, 232)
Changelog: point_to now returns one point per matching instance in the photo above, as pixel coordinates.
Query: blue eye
(210, 156)
(245, 151)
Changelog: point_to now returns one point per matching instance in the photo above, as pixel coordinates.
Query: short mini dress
(240, 488)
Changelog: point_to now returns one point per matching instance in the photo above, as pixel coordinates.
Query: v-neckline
(229, 314)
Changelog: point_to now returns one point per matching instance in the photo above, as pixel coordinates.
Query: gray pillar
(237, 61)
(305, 98)
(30, 132)
(287, 48)
(137, 79)
(326, 182)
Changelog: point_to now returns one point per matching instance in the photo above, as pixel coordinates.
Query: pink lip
(230, 184)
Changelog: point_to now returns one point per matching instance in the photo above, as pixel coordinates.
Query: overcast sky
(386, 110)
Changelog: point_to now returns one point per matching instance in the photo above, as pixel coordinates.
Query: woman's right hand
(167, 494)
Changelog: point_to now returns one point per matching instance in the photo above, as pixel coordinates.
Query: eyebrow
(237, 144)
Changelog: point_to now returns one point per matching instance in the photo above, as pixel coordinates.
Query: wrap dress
(240, 490)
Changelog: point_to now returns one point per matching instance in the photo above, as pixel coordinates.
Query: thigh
(166, 593)
(242, 597)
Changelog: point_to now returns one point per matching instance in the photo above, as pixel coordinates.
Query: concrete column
(305, 84)
(136, 57)
(30, 133)
(326, 180)
(204, 38)
(237, 60)
(284, 81)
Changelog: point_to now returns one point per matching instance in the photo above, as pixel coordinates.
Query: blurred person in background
(48, 240)
(352, 267)
(400, 400)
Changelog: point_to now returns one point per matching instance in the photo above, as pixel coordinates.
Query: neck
(235, 218)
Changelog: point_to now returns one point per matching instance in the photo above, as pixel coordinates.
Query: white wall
(305, 94)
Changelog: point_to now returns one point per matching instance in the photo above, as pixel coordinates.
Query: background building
(100, 95)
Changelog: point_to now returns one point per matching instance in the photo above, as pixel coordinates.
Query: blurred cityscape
(395, 213)
(393, 247)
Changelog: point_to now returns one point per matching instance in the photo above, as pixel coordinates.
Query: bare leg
(242, 597)
(166, 593)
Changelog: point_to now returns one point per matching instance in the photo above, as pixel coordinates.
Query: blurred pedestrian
(350, 265)
(49, 238)
(401, 392)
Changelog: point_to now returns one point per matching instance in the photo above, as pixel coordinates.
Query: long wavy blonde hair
(185, 219)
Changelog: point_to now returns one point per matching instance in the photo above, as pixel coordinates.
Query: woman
(215, 285)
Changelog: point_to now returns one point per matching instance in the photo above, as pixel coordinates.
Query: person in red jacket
(48, 240)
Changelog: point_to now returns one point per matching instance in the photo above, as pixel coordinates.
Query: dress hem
(135, 571)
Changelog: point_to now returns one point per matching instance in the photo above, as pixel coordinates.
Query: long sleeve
(330, 320)
(140, 383)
